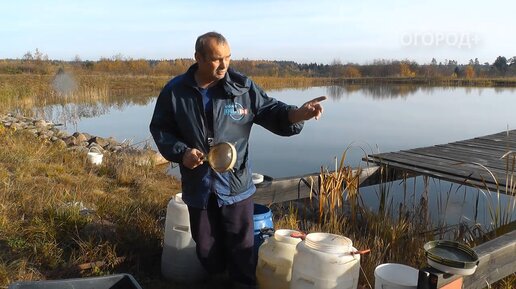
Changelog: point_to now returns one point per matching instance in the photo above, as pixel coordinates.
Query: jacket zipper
(204, 121)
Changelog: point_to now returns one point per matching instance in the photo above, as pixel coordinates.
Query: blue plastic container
(262, 219)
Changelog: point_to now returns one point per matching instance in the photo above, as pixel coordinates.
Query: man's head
(212, 53)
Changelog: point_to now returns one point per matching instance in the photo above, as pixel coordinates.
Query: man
(209, 104)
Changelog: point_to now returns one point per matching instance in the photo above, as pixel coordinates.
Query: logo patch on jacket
(236, 111)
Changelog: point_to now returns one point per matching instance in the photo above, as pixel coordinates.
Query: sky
(321, 31)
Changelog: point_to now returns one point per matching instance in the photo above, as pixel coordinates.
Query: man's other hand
(193, 158)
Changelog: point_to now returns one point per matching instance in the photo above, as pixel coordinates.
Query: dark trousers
(225, 239)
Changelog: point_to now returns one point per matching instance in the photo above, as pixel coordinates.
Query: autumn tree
(352, 72)
(405, 70)
(469, 72)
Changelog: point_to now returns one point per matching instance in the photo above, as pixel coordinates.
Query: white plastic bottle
(179, 260)
(325, 261)
(275, 258)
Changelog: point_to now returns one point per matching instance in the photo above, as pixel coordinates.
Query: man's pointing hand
(310, 109)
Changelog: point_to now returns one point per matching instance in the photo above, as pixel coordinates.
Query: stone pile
(81, 142)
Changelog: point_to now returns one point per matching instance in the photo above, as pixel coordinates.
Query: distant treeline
(38, 63)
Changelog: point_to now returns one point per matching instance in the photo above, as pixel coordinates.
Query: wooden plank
(510, 141)
(441, 166)
(458, 168)
(493, 163)
(446, 177)
(459, 155)
(438, 164)
(497, 259)
(503, 133)
(496, 148)
(476, 147)
(458, 161)
(495, 152)
(288, 189)
(501, 136)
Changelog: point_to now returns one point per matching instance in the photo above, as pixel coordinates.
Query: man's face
(214, 64)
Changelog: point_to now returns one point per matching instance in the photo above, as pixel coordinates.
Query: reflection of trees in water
(71, 113)
(376, 91)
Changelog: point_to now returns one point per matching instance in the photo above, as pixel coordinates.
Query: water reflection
(71, 113)
(403, 91)
(376, 92)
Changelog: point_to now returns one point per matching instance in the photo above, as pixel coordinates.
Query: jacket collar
(234, 83)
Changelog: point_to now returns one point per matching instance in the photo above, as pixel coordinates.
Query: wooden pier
(487, 162)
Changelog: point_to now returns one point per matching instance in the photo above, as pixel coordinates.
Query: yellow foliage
(405, 70)
(352, 72)
(470, 72)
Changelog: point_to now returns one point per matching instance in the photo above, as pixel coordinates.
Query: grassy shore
(58, 213)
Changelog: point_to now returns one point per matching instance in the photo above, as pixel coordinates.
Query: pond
(368, 119)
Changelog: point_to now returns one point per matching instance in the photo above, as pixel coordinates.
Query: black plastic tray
(452, 254)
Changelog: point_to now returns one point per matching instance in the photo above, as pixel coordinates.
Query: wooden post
(288, 189)
(497, 259)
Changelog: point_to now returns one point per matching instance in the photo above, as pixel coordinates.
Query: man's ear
(197, 56)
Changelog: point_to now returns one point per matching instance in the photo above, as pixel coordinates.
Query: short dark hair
(202, 40)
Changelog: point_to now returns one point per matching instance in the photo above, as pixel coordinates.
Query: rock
(80, 137)
(16, 126)
(94, 147)
(40, 123)
(70, 141)
(32, 131)
(117, 148)
(61, 134)
(53, 138)
(60, 143)
(48, 133)
(99, 141)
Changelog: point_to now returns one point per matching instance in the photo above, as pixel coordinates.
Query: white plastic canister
(179, 260)
(275, 258)
(324, 261)
(395, 276)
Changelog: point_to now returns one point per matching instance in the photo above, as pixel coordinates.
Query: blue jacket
(179, 123)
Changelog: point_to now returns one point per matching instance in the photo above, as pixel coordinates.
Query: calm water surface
(367, 119)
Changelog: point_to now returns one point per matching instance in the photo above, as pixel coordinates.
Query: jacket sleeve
(164, 129)
(273, 114)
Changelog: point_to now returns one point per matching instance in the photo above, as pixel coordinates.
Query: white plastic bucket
(275, 259)
(179, 260)
(395, 276)
(324, 261)
(94, 157)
